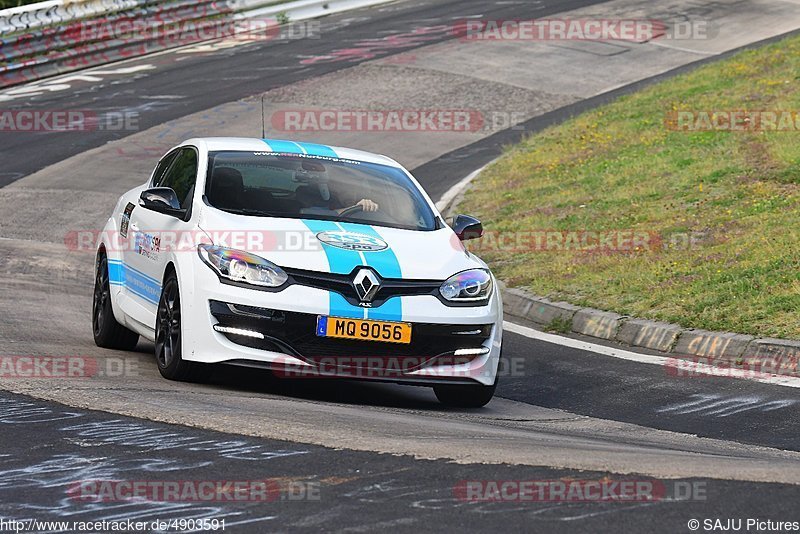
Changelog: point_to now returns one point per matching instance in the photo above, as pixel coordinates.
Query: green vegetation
(559, 325)
(15, 3)
(725, 204)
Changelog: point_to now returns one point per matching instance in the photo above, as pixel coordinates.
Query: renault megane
(301, 258)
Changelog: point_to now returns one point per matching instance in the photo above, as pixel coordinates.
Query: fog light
(238, 331)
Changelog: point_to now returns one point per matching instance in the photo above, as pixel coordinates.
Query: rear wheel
(108, 333)
(168, 344)
(465, 396)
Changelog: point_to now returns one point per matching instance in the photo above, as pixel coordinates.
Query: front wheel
(168, 333)
(468, 396)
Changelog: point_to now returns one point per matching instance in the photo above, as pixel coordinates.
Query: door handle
(134, 227)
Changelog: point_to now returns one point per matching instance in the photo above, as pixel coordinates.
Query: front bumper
(291, 348)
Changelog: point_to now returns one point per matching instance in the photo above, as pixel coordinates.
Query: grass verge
(715, 212)
(4, 4)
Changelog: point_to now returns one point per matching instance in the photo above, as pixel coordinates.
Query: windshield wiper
(246, 211)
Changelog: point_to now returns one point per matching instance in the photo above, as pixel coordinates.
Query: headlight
(241, 266)
(467, 286)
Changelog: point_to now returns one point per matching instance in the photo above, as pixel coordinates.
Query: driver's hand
(367, 205)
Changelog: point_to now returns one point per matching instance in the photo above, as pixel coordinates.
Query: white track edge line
(701, 370)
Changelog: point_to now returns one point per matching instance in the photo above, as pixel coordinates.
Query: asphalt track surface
(359, 489)
(348, 491)
(204, 81)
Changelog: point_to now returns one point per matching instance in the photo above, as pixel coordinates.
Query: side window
(161, 168)
(182, 175)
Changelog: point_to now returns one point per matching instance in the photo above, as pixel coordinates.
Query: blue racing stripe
(136, 282)
(318, 150)
(384, 261)
(340, 261)
(341, 308)
(116, 275)
(289, 147)
(386, 264)
(391, 310)
(292, 147)
(142, 285)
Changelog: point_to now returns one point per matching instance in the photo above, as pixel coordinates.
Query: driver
(316, 191)
(365, 203)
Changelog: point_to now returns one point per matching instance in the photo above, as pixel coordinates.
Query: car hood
(337, 247)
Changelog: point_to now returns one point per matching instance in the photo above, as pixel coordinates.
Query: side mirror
(467, 227)
(163, 200)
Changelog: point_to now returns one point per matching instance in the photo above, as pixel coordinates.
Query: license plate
(364, 330)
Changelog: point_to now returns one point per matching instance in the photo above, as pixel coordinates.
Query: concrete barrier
(649, 334)
(50, 38)
(766, 355)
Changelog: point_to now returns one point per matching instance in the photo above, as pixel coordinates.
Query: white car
(309, 260)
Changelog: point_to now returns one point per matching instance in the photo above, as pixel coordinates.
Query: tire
(169, 334)
(469, 396)
(108, 333)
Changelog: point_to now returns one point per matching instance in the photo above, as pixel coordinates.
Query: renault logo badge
(367, 285)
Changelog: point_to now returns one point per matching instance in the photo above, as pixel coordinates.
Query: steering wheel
(349, 211)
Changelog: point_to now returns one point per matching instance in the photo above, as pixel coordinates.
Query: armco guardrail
(80, 43)
(33, 43)
(32, 16)
(56, 37)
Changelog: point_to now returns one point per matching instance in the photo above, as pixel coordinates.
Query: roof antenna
(263, 122)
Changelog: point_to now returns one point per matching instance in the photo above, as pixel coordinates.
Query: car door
(132, 297)
(154, 235)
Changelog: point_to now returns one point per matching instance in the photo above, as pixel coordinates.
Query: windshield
(268, 184)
